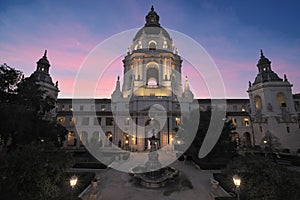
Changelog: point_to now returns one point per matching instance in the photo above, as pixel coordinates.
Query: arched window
(281, 100)
(258, 103)
(84, 138)
(247, 139)
(152, 82)
(152, 45)
(165, 45)
(152, 76)
(109, 136)
(96, 136)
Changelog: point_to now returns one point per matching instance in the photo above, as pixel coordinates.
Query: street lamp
(237, 182)
(73, 182)
(265, 146)
(127, 145)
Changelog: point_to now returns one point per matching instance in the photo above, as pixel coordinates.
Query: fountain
(152, 175)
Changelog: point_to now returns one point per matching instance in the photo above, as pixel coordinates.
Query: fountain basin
(153, 179)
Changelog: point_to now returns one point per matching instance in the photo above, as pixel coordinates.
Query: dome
(44, 59)
(263, 61)
(152, 31)
(152, 35)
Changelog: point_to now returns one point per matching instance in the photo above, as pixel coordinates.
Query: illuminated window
(258, 103)
(152, 82)
(152, 45)
(281, 100)
(103, 107)
(233, 121)
(246, 121)
(72, 120)
(70, 108)
(243, 109)
(177, 121)
(165, 45)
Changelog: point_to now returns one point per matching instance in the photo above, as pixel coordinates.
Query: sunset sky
(232, 32)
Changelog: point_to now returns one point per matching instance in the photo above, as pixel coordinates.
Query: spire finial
(45, 54)
(261, 53)
(118, 77)
(152, 8)
(285, 78)
(187, 85)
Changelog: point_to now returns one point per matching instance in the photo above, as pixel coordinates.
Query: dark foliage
(264, 179)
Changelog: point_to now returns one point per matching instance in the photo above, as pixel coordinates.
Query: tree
(33, 172)
(9, 78)
(30, 95)
(224, 148)
(23, 106)
(33, 165)
(264, 179)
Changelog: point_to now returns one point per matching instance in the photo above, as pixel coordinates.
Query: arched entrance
(235, 137)
(247, 139)
(152, 128)
(71, 140)
(108, 135)
(95, 139)
(84, 138)
(152, 78)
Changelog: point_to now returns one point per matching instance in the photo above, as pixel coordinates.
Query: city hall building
(152, 75)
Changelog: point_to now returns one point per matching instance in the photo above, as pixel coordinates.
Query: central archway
(152, 76)
(152, 127)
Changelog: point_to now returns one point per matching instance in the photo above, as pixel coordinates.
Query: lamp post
(73, 182)
(265, 146)
(237, 182)
(126, 144)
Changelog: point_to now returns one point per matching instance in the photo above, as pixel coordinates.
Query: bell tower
(152, 88)
(272, 106)
(151, 67)
(43, 79)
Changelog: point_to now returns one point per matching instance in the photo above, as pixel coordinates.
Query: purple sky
(232, 32)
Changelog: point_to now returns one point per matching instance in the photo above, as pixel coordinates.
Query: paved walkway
(116, 185)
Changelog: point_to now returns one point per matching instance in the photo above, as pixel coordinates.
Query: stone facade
(152, 75)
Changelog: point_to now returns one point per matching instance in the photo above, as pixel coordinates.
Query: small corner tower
(271, 101)
(43, 79)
